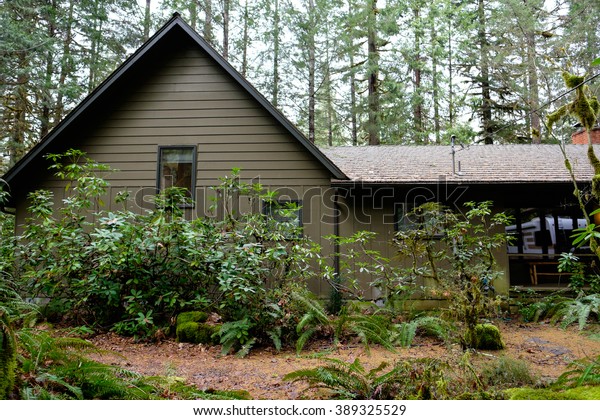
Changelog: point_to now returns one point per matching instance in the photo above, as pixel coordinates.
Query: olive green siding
(192, 101)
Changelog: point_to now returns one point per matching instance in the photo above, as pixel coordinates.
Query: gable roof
(176, 23)
(480, 164)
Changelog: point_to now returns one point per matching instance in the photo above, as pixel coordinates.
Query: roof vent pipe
(452, 142)
(452, 139)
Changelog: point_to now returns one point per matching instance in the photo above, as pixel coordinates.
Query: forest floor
(547, 349)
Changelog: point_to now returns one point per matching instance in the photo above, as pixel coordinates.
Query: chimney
(580, 136)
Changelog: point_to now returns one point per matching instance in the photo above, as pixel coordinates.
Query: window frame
(193, 176)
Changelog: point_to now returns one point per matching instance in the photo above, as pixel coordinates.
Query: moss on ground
(578, 393)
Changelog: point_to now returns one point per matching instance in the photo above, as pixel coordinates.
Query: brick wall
(580, 137)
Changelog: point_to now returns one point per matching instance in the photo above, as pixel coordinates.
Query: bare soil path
(547, 349)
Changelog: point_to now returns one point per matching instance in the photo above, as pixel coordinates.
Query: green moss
(578, 393)
(192, 316)
(196, 333)
(487, 337)
(571, 80)
(557, 115)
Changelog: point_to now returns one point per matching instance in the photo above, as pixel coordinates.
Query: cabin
(176, 113)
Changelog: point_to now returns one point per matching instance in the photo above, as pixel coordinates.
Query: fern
(371, 329)
(12, 309)
(236, 335)
(420, 379)
(582, 372)
(314, 318)
(404, 333)
(345, 380)
(578, 310)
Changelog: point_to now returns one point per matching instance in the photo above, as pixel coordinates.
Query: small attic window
(177, 168)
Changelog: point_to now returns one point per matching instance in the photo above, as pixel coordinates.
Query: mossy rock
(192, 316)
(578, 393)
(487, 337)
(197, 333)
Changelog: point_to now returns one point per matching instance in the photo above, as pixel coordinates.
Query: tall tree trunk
(226, 7)
(450, 78)
(147, 20)
(373, 75)
(193, 14)
(311, 70)
(207, 32)
(486, 97)
(350, 46)
(416, 68)
(276, 30)
(66, 67)
(45, 92)
(20, 107)
(435, 85)
(245, 40)
(533, 91)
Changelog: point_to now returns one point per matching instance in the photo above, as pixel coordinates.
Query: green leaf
(595, 62)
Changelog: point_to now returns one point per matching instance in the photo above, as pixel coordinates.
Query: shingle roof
(478, 164)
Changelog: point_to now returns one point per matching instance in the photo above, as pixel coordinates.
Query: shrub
(133, 273)
(451, 256)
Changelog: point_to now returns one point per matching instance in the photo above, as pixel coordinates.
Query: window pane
(176, 167)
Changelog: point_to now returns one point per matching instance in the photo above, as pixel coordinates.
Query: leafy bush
(580, 277)
(357, 258)
(544, 308)
(133, 272)
(451, 256)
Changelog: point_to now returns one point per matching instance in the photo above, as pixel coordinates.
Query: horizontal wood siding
(189, 100)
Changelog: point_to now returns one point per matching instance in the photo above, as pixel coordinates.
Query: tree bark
(311, 70)
(226, 7)
(373, 75)
(486, 97)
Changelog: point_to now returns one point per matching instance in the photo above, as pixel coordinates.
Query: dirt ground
(546, 348)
